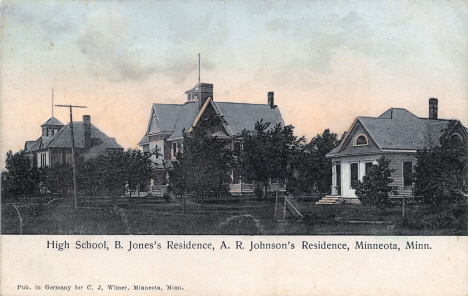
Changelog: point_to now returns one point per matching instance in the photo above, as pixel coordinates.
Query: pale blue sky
(327, 61)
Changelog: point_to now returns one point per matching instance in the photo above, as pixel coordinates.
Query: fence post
(276, 205)
(403, 206)
(284, 211)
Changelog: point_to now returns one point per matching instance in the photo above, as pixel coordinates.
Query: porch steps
(329, 200)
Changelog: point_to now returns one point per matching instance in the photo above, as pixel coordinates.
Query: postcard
(234, 148)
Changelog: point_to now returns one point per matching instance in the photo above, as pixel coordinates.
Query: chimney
(271, 100)
(87, 130)
(206, 91)
(433, 102)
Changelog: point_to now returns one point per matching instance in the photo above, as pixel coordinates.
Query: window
(237, 146)
(174, 149)
(361, 140)
(43, 159)
(354, 173)
(368, 167)
(407, 173)
(455, 139)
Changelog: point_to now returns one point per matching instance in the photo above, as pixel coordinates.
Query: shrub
(375, 187)
(450, 217)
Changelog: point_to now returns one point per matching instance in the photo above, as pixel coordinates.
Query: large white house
(167, 123)
(397, 134)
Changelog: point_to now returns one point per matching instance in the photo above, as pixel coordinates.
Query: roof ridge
(241, 103)
(168, 104)
(438, 119)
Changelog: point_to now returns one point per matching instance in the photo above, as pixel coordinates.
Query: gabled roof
(166, 115)
(242, 116)
(144, 140)
(399, 129)
(52, 121)
(239, 116)
(28, 145)
(187, 114)
(98, 139)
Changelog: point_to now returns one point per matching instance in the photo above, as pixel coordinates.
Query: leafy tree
(375, 186)
(441, 173)
(58, 179)
(138, 171)
(206, 162)
(116, 171)
(109, 172)
(20, 177)
(269, 153)
(313, 169)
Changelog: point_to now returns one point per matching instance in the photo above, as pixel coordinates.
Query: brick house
(397, 134)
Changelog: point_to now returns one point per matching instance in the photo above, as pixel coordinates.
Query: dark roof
(242, 116)
(239, 116)
(166, 115)
(144, 140)
(98, 138)
(52, 121)
(62, 138)
(187, 114)
(29, 144)
(400, 129)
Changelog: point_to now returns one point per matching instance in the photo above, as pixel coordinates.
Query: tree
(116, 171)
(269, 153)
(109, 171)
(206, 162)
(313, 169)
(375, 186)
(20, 177)
(441, 173)
(58, 179)
(138, 171)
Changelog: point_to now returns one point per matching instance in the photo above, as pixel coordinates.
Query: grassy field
(99, 216)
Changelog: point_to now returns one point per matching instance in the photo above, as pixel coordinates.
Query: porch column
(334, 188)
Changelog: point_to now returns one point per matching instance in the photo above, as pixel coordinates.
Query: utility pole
(73, 148)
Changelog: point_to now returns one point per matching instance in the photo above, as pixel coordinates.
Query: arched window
(455, 139)
(361, 140)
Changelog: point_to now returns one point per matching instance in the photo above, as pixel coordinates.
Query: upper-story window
(237, 146)
(455, 139)
(360, 140)
(174, 150)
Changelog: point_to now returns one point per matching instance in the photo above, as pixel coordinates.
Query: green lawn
(243, 216)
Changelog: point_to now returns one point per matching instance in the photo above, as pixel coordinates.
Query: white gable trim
(209, 101)
(349, 135)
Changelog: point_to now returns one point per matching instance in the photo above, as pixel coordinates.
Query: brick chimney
(87, 130)
(271, 100)
(206, 91)
(433, 102)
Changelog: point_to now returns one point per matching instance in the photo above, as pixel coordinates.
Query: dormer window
(455, 139)
(361, 140)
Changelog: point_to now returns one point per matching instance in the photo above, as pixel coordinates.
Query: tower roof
(52, 121)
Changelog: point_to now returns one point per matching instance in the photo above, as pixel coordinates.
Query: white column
(334, 188)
